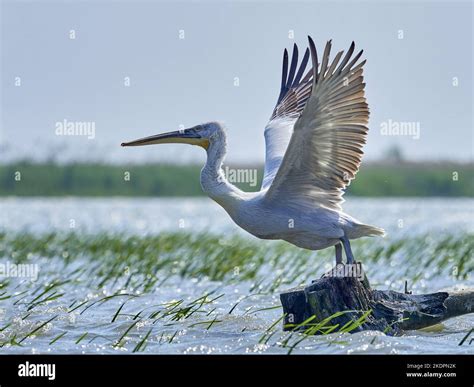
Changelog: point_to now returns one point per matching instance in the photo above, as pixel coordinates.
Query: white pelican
(314, 145)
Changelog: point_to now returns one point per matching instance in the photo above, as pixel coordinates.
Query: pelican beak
(185, 136)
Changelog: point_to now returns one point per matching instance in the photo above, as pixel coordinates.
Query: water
(236, 332)
(150, 216)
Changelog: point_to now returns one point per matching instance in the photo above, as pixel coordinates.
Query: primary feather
(316, 133)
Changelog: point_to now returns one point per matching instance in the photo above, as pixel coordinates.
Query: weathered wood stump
(348, 289)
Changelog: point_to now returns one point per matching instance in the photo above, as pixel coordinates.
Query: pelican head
(201, 135)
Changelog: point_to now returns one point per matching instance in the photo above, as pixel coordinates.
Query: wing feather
(295, 91)
(324, 149)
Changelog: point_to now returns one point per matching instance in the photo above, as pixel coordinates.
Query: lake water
(239, 332)
(150, 216)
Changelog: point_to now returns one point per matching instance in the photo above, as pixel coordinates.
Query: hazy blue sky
(424, 78)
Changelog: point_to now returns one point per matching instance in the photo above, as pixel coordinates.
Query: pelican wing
(294, 93)
(325, 149)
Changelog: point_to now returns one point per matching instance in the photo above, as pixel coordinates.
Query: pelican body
(314, 143)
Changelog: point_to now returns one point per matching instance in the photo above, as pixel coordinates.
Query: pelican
(313, 140)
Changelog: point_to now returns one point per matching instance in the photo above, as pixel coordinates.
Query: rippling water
(145, 216)
(237, 332)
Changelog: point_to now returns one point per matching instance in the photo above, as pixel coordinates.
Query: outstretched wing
(325, 149)
(294, 93)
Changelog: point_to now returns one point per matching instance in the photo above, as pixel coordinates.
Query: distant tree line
(387, 179)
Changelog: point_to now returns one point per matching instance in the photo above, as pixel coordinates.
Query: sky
(127, 69)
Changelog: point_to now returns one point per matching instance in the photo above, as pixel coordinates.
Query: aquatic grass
(267, 308)
(270, 330)
(323, 327)
(105, 268)
(107, 298)
(140, 347)
(468, 334)
(154, 258)
(352, 325)
(12, 342)
(100, 337)
(390, 326)
(37, 329)
(175, 312)
(57, 338)
(5, 297)
(118, 343)
(77, 306)
(82, 337)
(5, 327)
(118, 312)
(54, 296)
(208, 323)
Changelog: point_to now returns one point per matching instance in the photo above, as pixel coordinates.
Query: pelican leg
(338, 253)
(347, 249)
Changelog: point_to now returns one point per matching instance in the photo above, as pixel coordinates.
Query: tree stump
(347, 289)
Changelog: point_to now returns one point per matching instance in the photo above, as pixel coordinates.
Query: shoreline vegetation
(388, 179)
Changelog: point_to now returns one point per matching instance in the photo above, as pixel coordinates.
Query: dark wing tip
(303, 64)
(293, 66)
(285, 59)
(284, 75)
(314, 59)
